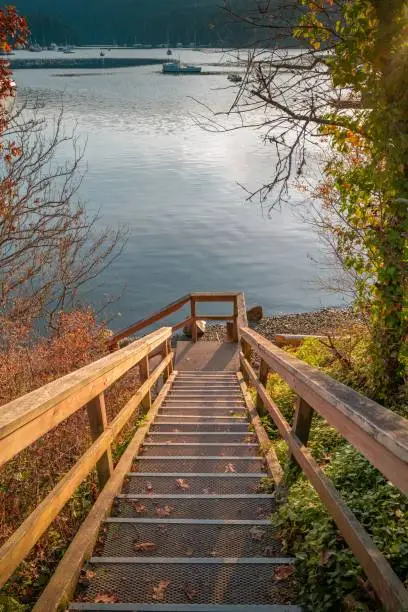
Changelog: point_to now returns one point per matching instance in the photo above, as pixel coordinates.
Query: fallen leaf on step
(139, 508)
(190, 592)
(90, 574)
(146, 547)
(268, 551)
(257, 533)
(159, 591)
(164, 511)
(149, 487)
(182, 484)
(229, 468)
(106, 598)
(283, 572)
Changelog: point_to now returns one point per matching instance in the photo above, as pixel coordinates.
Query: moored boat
(179, 68)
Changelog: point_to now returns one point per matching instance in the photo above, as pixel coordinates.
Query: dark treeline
(126, 22)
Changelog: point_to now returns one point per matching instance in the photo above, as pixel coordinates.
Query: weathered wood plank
(98, 422)
(302, 422)
(150, 320)
(294, 339)
(215, 317)
(61, 587)
(23, 539)
(24, 420)
(144, 373)
(180, 325)
(381, 435)
(263, 378)
(213, 297)
(386, 583)
(194, 330)
(242, 320)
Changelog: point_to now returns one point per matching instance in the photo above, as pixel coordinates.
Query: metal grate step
(189, 484)
(199, 464)
(181, 426)
(191, 418)
(130, 607)
(189, 540)
(211, 411)
(192, 582)
(203, 437)
(253, 507)
(220, 450)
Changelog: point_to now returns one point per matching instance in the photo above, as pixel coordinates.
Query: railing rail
(237, 317)
(25, 420)
(381, 435)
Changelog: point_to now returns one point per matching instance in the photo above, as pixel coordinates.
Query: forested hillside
(137, 21)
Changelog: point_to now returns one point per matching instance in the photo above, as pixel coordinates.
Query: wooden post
(144, 372)
(235, 332)
(165, 351)
(98, 422)
(247, 351)
(263, 378)
(302, 422)
(194, 321)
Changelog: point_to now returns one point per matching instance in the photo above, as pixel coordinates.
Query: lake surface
(176, 188)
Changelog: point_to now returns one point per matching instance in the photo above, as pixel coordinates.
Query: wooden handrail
(381, 435)
(26, 419)
(238, 316)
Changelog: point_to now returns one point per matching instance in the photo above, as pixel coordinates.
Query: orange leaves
(106, 598)
(146, 547)
(229, 468)
(182, 484)
(139, 508)
(159, 591)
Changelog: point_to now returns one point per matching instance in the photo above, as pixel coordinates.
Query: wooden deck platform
(207, 356)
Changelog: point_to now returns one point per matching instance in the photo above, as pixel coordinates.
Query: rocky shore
(324, 321)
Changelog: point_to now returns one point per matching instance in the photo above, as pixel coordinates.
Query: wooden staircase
(181, 521)
(190, 530)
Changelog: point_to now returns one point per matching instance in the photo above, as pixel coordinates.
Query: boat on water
(35, 48)
(169, 52)
(68, 49)
(179, 68)
(102, 54)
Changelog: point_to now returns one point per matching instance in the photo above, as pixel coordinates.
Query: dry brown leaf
(182, 484)
(139, 508)
(90, 574)
(106, 598)
(283, 572)
(257, 533)
(145, 547)
(325, 556)
(164, 511)
(149, 487)
(230, 468)
(159, 591)
(190, 592)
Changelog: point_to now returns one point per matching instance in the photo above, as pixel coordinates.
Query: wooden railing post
(166, 351)
(194, 320)
(247, 352)
(144, 372)
(235, 332)
(98, 422)
(301, 423)
(263, 379)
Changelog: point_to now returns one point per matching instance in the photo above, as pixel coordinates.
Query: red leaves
(159, 591)
(139, 508)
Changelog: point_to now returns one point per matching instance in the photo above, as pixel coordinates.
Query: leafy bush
(330, 578)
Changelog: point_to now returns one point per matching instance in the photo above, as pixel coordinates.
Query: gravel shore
(324, 321)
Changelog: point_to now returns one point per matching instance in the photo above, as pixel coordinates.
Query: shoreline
(320, 322)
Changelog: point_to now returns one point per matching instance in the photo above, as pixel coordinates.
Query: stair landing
(207, 356)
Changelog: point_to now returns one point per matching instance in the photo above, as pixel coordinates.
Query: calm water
(175, 188)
